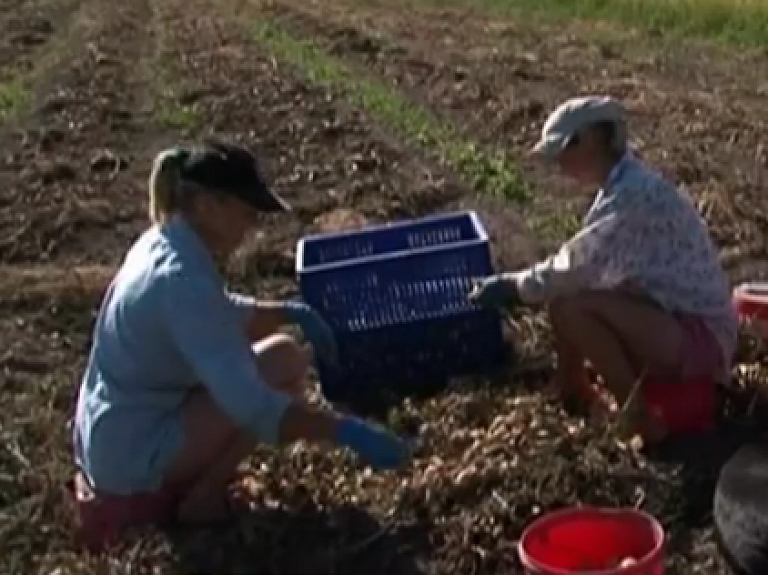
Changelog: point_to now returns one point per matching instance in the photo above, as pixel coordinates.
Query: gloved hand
(314, 328)
(496, 291)
(374, 444)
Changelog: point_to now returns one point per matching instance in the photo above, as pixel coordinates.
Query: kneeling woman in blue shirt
(184, 377)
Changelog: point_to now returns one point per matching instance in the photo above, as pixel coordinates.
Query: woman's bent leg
(571, 377)
(214, 445)
(624, 337)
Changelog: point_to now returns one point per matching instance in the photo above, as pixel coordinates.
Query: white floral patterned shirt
(641, 232)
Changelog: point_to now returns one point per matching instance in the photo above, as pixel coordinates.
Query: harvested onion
(627, 562)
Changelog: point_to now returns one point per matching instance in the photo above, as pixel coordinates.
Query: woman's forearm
(301, 421)
(548, 280)
(265, 319)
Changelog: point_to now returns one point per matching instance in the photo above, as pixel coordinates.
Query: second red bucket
(595, 541)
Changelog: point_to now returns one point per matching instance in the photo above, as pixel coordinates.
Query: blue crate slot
(394, 291)
(396, 297)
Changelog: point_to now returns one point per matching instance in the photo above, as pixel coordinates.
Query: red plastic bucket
(684, 407)
(595, 541)
(751, 303)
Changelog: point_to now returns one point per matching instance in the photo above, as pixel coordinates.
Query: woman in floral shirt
(639, 290)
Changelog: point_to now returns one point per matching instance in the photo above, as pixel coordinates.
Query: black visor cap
(231, 169)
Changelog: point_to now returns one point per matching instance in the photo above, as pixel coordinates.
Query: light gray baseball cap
(575, 114)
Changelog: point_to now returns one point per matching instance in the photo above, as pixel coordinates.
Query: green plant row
(491, 172)
(740, 23)
(14, 96)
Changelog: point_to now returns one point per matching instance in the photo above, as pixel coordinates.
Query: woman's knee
(206, 431)
(572, 308)
(282, 361)
(563, 310)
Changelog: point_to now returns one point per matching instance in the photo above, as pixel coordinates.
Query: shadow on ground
(700, 460)
(308, 540)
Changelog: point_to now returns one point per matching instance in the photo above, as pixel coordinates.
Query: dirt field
(90, 90)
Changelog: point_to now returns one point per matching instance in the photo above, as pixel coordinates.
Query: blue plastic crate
(396, 298)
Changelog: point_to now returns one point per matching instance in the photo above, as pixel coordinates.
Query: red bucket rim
(652, 555)
(750, 302)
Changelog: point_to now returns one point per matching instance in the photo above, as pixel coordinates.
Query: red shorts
(701, 356)
(685, 400)
(101, 518)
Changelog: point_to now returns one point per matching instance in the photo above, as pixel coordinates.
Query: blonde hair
(165, 184)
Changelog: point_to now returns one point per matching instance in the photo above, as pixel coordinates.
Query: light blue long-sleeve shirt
(166, 324)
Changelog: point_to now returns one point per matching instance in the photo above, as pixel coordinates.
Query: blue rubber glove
(377, 446)
(315, 329)
(498, 291)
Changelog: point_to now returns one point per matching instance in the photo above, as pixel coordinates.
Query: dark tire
(741, 510)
